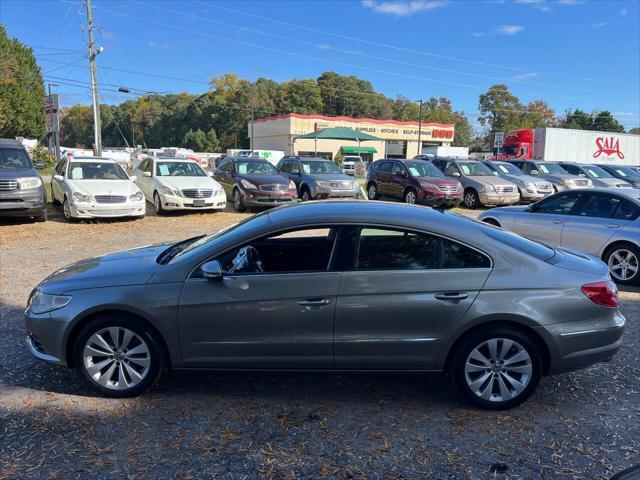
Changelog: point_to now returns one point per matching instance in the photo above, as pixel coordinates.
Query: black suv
(22, 192)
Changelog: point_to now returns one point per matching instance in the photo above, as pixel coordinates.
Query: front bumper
(107, 210)
(494, 198)
(324, 193)
(261, 198)
(46, 337)
(528, 196)
(215, 202)
(20, 203)
(438, 198)
(578, 345)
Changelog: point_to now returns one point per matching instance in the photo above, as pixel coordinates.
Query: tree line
(217, 119)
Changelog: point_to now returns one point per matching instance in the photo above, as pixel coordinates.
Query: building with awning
(294, 133)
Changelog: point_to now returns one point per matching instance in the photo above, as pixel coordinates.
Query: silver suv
(22, 192)
(531, 188)
(598, 176)
(481, 186)
(318, 178)
(552, 172)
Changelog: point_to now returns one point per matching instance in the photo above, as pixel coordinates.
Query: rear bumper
(578, 345)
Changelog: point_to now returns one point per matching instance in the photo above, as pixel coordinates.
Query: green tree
(577, 119)
(76, 126)
(635, 131)
(604, 122)
(500, 110)
(404, 109)
(300, 96)
(195, 140)
(538, 114)
(21, 90)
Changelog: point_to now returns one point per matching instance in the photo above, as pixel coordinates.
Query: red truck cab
(517, 144)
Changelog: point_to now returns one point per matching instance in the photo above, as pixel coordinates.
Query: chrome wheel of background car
(66, 209)
(498, 370)
(410, 197)
(623, 264)
(372, 192)
(116, 358)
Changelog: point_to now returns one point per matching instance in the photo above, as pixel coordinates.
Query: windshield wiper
(176, 248)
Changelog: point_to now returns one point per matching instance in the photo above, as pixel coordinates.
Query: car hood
(13, 173)
(557, 177)
(265, 179)
(128, 267)
(611, 182)
(103, 187)
(491, 180)
(179, 183)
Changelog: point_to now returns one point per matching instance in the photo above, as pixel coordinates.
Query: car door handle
(314, 302)
(558, 222)
(612, 226)
(452, 296)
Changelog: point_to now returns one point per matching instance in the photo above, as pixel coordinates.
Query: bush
(40, 154)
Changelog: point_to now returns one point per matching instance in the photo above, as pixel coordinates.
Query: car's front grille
(111, 213)
(110, 198)
(8, 185)
(273, 187)
(197, 193)
(504, 189)
(341, 185)
(582, 183)
(447, 188)
(544, 187)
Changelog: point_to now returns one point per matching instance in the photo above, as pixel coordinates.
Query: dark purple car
(254, 182)
(412, 181)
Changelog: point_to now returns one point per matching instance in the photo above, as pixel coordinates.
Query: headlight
(29, 182)
(324, 184)
(292, 185)
(136, 197)
(44, 302)
(429, 186)
(487, 188)
(247, 184)
(80, 197)
(567, 181)
(168, 191)
(529, 185)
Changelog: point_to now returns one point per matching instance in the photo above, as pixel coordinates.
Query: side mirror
(146, 174)
(210, 173)
(212, 270)
(40, 166)
(582, 175)
(535, 172)
(133, 178)
(295, 172)
(455, 174)
(58, 177)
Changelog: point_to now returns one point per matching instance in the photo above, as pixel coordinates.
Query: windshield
(96, 171)
(14, 158)
(179, 169)
(255, 167)
(475, 169)
(551, 168)
(509, 151)
(597, 172)
(319, 167)
(351, 159)
(509, 169)
(423, 169)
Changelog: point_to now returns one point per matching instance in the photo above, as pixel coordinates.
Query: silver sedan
(333, 286)
(601, 222)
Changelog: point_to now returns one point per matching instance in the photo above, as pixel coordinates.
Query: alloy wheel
(66, 209)
(410, 197)
(306, 196)
(498, 369)
(470, 199)
(623, 264)
(157, 205)
(237, 201)
(116, 358)
(372, 192)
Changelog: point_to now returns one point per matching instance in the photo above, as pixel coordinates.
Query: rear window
(531, 248)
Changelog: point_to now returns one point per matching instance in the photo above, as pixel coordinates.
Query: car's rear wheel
(410, 196)
(624, 263)
(157, 204)
(496, 368)
(238, 204)
(372, 191)
(118, 355)
(471, 199)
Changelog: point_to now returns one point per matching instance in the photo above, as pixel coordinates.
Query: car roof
(10, 142)
(172, 159)
(630, 193)
(93, 159)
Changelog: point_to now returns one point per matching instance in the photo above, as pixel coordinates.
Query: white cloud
(508, 29)
(404, 8)
(623, 12)
(523, 76)
(600, 25)
(570, 2)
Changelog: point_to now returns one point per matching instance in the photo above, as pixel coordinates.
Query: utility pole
(252, 114)
(97, 128)
(420, 129)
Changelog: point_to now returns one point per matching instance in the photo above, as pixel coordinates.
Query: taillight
(602, 293)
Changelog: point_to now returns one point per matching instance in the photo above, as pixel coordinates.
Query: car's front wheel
(238, 203)
(471, 199)
(305, 194)
(66, 210)
(410, 196)
(372, 191)
(624, 263)
(496, 368)
(118, 355)
(157, 204)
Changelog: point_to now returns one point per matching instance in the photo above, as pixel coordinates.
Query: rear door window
(598, 206)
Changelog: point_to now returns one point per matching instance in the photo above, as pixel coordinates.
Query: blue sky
(571, 53)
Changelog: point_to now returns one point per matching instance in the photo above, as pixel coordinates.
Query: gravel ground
(583, 425)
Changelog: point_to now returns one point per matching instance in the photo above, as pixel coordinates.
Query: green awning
(339, 134)
(359, 150)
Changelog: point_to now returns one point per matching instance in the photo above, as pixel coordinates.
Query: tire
(157, 204)
(491, 221)
(103, 369)
(410, 196)
(305, 194)
(372, 191)
(471, 199)
(627, 257)
(490, 378)
(238, 203)
(66, 210)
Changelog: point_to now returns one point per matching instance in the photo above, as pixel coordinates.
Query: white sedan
(92, 187)
(178, 184)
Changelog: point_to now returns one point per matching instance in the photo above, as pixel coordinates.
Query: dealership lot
(193, 425)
